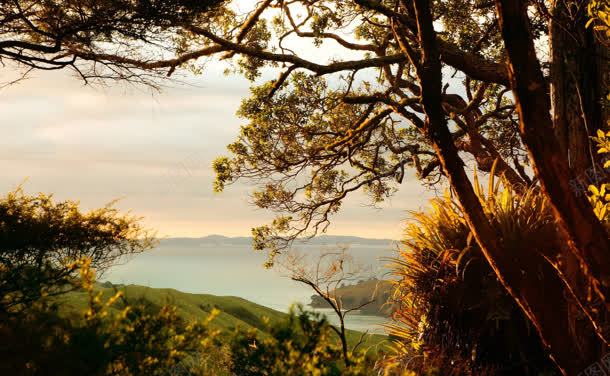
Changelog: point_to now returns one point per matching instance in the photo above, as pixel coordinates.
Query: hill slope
(235, 312)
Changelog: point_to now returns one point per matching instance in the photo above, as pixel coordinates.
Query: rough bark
(588, 264)
(527, 276)
(579, 78)
(585, 234)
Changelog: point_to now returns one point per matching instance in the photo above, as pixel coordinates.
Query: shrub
(48, 249)
(304, 344)
(41, 238)
(454, 315)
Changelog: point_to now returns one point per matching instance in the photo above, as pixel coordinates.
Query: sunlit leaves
(307, 149)
(600, 196)
(40, 239)
(303, 344)
(450, 301)
(599, 13)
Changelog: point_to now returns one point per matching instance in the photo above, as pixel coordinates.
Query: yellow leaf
(589, 22)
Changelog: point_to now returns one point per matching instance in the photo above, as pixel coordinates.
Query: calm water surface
(234, 270)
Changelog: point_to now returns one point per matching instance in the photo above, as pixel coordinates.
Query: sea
(229, 267)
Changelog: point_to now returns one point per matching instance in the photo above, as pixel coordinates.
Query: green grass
(234, 312)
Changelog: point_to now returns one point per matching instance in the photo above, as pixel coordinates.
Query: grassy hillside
(234, 312)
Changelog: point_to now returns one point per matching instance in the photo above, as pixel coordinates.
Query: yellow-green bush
(303, 345)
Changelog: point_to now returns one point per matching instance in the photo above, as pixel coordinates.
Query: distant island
(378, 292)
(215, 240)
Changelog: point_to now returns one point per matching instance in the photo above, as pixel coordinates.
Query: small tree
(330, 270)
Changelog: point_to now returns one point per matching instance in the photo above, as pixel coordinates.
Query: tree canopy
(329, 127)
(98, 39)
(40, 241)
(513, 87)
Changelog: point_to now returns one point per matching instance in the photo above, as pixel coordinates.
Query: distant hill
(220, 240)
(234, 312)
(353, 296)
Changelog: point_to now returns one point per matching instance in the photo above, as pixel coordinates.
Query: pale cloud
(153, 151)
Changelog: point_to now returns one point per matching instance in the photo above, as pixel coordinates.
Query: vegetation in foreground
(304, 133)
(453, 315)
(55, 318)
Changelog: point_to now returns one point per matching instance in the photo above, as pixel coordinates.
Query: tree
(330, 270)
(40, 240)
(416, 84)
(356, 123)
(99, 39)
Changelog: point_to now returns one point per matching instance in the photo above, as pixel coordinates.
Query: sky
(153, 152)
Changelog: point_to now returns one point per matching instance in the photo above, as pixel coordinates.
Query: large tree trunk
(555, 161)
(527, 276)
(585, 235)
(579, 77)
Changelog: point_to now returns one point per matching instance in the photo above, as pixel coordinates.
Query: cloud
(152, 150)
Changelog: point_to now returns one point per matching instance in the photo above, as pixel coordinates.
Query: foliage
(40, 239)
(98, 39)
(134, 339)
(600, 197)
(301, 345)
(599, 19)
(453, 313)
(49, 249)
(329, 127)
